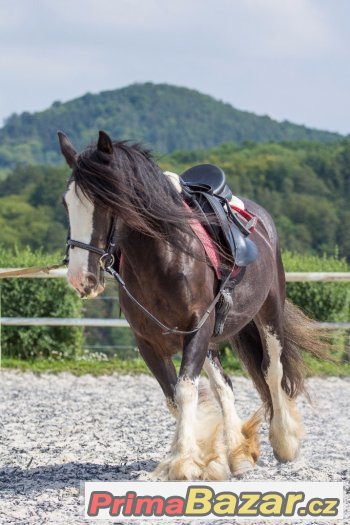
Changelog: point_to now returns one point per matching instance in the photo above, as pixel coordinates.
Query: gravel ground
(59, 430)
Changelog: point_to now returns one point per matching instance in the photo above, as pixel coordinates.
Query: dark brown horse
(164, 267)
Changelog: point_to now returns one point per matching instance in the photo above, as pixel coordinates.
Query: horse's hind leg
(241, 438)
(285, 427)
(281, 368)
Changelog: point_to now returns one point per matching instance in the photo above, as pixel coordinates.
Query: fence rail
(103, 322)
(64, 321)
(121, 323)
(290, 276)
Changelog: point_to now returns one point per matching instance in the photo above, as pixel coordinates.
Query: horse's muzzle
(87, 285)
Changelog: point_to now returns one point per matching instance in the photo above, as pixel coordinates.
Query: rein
(29, 271)
(106, 262)
(167, 329)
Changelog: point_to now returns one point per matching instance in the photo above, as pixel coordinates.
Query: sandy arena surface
(57, 431)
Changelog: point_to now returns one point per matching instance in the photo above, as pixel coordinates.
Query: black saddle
(210, 176)
(205, 185)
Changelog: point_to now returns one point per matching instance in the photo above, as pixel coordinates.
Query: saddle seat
(206, 185)
(208, 176)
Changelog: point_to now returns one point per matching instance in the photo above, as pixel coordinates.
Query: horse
(118, 197)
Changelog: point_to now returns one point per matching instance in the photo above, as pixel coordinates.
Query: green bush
(323, 301)
(38, 298)
(328, 301)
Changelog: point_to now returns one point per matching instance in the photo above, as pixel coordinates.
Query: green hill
(165, 117)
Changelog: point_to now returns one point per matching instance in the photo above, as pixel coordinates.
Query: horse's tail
(305, 333)
(301, 334)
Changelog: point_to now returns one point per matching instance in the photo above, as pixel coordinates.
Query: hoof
(285, 439)
(161, 472)
(178, 468)
(242, 468)
(287, 457)
(185, 469)
(286, 450)
(216, 470)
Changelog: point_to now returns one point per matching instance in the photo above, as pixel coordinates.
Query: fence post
(347, 346)
(0, 326)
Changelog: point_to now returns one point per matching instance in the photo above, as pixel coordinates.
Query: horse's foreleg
(185, 460)
(241, 438)
(163, 370)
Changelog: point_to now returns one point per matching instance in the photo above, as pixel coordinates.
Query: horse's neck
(144, 253)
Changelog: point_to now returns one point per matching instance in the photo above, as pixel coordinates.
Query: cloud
(292, 28)
(256, 54)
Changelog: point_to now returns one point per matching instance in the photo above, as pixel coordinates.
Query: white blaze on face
(81, 212)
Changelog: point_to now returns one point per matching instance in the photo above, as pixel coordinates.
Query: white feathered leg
(184, 462)
(285, 428)
(241, 438)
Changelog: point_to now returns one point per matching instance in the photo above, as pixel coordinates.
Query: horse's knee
(186, 391)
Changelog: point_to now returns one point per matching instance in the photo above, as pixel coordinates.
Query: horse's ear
(105, 143)
(67, 149)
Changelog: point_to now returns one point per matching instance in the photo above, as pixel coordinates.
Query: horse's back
(265, 221)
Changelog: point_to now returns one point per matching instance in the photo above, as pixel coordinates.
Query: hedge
(53, 298)
(329, 301)
(321, 301)
(38, 298)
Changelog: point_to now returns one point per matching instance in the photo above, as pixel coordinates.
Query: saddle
(205, 187)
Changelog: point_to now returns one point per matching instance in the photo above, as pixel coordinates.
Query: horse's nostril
(91, 281)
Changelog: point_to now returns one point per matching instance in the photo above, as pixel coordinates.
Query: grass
(77, 367)
(137, 366)
(327, 368)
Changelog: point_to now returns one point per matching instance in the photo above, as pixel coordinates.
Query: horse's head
(90, 225)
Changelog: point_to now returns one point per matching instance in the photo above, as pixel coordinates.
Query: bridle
(107, 257)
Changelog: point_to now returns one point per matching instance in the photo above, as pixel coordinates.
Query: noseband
(106, 256)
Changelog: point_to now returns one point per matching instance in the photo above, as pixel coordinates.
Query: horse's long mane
(131, 185)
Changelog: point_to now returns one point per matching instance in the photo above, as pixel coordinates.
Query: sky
(285, 58)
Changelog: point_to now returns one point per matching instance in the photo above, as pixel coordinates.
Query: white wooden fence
(120, 323)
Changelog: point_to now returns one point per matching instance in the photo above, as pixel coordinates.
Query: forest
(164, 117)
(304, 185)
(301, 176)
